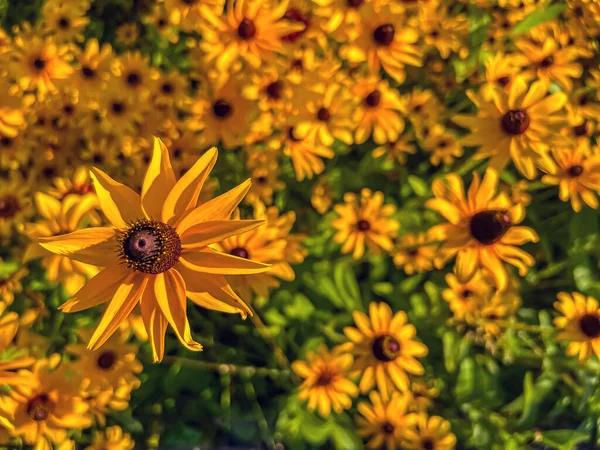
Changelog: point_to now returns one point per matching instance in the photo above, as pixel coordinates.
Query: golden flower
(157, 254)
(128, 33)
(187, 13)
(422, 106)
(465, 299)
(321, 195)
(384, 349)
(579, 324)
(365, 220)
(397, 150)
(576, 172)
(63, 22)
(10, 285)
(445, 33)
(583, 15)
(442, 144)
(326, 384)
(171, 90)
(122, 115)
(265, 177)
(305, 153)
(93, 68)
(421, 395)
(519, 124)
(427, 433)
(105, 400)
(271, 91)
(58, 218)
(13, 359)
(134, 76)
(415, 253)
(500, 72)
(482, 228)
(379, 112)
(583, 109)
(15, 205)
(384, 41)
(383, 421)
(113, 438)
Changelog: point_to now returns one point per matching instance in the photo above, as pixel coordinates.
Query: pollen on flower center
(515, 122)
(39, 407)
(106, 360)
(384, 34)
(489, 226)
(575, 171)
(590, 325)
(386, 348)
(240, 252)
(246, 29)
(9, 206)
(149, 246)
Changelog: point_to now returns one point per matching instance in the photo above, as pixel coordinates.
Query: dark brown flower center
(222, 109)
(427, 444)
(275, 89)
(39, 407)
(363, 225)
(581, 130)
(149, 246)
(118, 107)
(240, 252)
(387, 428)
(503, 81)
(323, 114)
(489, 226)
(106, 360)
(584, 100)
(39, 63)
(64, 23)
(547, 62)
(575, 171)
(246, 29)
(325, 379)
(384, 34)
(590, 325)
(373, 99)
(5, 141)
(88, 72)
(134, 79)
(9, 206)
(386, 348)
(167, 88)
(296, 15)
(291, 135)
(467, 293)
(355, 3)
(515, 121)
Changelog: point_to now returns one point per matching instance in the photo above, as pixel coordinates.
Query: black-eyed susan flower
(398, 150)
(10, 284)
(518, 124)
(365, 221)
(64, 22)
(128, 34)
(112, 438)
(382, 421)
(321, 195)
(13, 360)
(443, 145)
(16, 206)
(500, 72)
(422, 395)
(325, 384)
(482, 228)
(465, 298)
(157, 251)
(415, 253)
(443, 32)
(306, 154)
(93, 68)
(579, 324)
(133, 76)
(576, 172)
(384, 349)
(428, 433)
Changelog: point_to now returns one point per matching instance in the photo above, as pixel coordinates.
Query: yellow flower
(427, 433)
(415, 253)
(443, 145)
(321, 196)
(383, 421)
(113, 438)
(446, 34)
(500, 72)
(326, 384)
(79, 184)
(385, 41)
(121, 114)
(384, 349)
(421, 396)
(579, 324)
(519, 124)
(103, 401)
(306, 154)
(187, 13)
(134, 76)
(576, 172)
(265, 177)
(481, 229)
(397, 150)
(128, 33)
(10, 285)
(63, 22)
(379, 111)
(157, 251)
(465, 299)
(365, 220)
(9, 324)
(15, 205)
(92, 70)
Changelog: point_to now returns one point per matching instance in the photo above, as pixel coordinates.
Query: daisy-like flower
(421, 395)
(428, 433)
(10, 284)
(121, 114)
(187, 13)
(465, 298)
(326, 385)
(385, 40)
(64, 22)
(365, 220)
(128, 33)
(251, 30)
(397, 150)
(500, 72)
(482, 228)
(384, 349)
(9, 324)
(576, 172)
(579, 324)
(93, 68)
(112, 438)
(379, 112)
(265, 177)
(306, 154)
(415, 253)
(442, 32)
(15, 205)
(442, 144)
(156, 253)
(321, 196)
(383, 421)
(134, 76)
(519, 124)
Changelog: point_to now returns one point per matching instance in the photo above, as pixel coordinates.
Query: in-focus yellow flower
(326, 385)
(579, 324)
(481, 229)
(520, 124)
(576, 172)
(365, 220)
(415, 253)
(427, 433)
(384, 349)
(157, 251)
(113, 438)
(383, 421)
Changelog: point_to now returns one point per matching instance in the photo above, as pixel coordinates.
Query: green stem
(227, 368)
(258, 413)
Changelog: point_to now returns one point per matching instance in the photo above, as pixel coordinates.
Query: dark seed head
(581, 130)
(386, 348)
(547, 62)
(503, 81)
(261, 180)
(9, 206)
(39, 407)
(323, 114)
(363, 225)
(167, 88)
(427, 444)
(149, 246)
(88, 72)
(39, 63)
(106, 360)
(324, 379)
(489, 226)
(590, 325)
(575, 171)
(118, 107)
(222, 109)
(355, 3)
(291, 135)
(275, 89)
(5, 141)
(467, 293)
(373, 99)
(134, 79)
(515, 122)
(246, 29)
(387, 428)
(384, 34)
(64, 23)
(240, 252)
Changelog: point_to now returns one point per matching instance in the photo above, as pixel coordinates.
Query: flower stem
(227, 368)
(262, 329)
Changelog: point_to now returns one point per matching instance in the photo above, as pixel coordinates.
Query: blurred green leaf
(538, 17)
(563, 439)
(345, 282)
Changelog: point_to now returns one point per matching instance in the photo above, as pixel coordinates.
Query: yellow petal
(210, 261)
(155, 323)
(183, 197)
(119, 203)
(96, 246)
(83, 206)
(467, 263)
(158, 182)
(47, 206)
(206, 233)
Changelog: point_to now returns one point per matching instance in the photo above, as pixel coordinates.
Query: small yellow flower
(321, 195)
(383, 421)
(579, 324)
(415, 253)
(429, 432)
(113, 438)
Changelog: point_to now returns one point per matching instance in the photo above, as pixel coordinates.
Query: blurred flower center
(503, 81)
(355, 3)
(39, 63)
(64, 23)
(275, 89)
(9, 206)
(581, 130)
(427, 444)
(373, 99)
(106, 360)
(384, 34)
(39, 407)
(295, 15)
(363, 225)
(88, 72)
(575, 171)
(386, 348)
(547, 62)
(323, 114)
(489, 226)
(590, 325)
(134, 79)
(246, 29)
(222, 109)
(515, 122)
(240, 252)
(325, 379)
(290, 133)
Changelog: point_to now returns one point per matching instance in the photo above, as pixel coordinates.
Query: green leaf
(345, 282)
(449, 344)
(300, 307)
(418, 185)
(538, 17)
(465, 385)
(563, 439)
(584, 223)
(534, 394)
